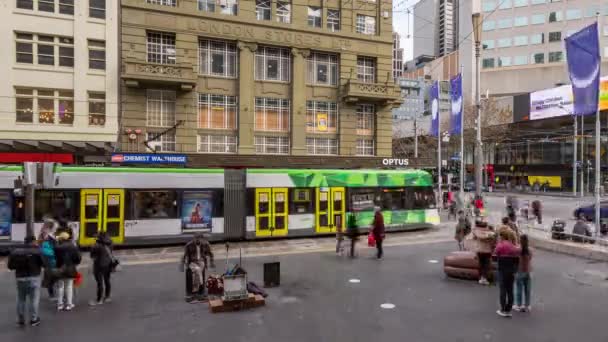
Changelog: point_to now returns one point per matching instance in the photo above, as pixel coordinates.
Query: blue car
(588, 212)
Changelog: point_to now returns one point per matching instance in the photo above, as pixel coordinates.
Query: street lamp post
(477, 21)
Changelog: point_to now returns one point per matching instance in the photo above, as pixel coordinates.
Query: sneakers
(518, 308)
(108, 300)
(60, 307)
(503, 314)
(35, 322)
(529, 308)
(95, 303)
(69, 307)
(484, 281)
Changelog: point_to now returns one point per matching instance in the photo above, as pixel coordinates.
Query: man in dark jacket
(26, 261)
(195, 258)
(378, 231)
(101, 253)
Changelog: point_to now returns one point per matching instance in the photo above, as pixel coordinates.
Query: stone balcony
(137, 73)
(383, 93)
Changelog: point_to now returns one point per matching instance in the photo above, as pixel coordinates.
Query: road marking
(387, 306)
(433, 261)
(354, 281)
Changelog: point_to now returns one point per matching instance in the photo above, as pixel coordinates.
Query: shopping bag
(78, 280)
(371, 242)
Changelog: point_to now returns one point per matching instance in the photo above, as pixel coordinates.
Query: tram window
(301, 201)
(392, 199)
(154, 204)
(362, 199)
(420, 198)
(61, 205)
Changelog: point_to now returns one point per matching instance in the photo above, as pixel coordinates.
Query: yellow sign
(554, 181)
(322, 122)
(604, 94)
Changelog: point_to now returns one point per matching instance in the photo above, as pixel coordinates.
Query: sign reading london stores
(137, 158)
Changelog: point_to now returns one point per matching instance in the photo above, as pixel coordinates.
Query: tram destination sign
(151, 158)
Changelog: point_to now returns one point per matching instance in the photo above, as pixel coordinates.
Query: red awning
(65, 158)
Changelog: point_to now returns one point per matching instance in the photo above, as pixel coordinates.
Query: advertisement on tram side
(5, 215)
(197, 211)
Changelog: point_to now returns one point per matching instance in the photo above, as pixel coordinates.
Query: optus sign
(395, 162)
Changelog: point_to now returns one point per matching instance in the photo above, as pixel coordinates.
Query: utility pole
(574, 161)
(462, 140)
(598, 129)
(583, 161)
(416, 135)
(477, 20)
(30, 179)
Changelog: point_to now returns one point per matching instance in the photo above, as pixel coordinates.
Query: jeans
(379, 248)
(102, 277)
(506, 280)
(523, 283)
(198, 276)
(28, 287)
(65, 291)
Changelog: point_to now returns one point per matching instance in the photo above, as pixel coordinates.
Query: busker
(195, 258)
(508, 258)
(101, 253)
(47, 249)
(26, 261)
(68, 258)
(523, 280)
(463, 228)
(485, 238)
(378, 231)
(352, 233)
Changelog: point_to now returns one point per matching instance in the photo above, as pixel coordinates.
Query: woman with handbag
(103, 265)
(68, 257)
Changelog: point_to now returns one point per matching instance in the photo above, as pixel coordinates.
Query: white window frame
(284, 11)
(97, 119)
(58, 44)
(520, 40)
(322, 146)
(366, 69)
(520, 60)
(206, 5)
(365, 119)
(231, 8)
(58, 97)
(160, 47)
(488, 25)
(538, 15)
(97, 46)
(263, 105)
(365, 24)
(505, 61)
(533, 38)
(333, 20)
(318, 59)
(100, 12)
(262, 144)
(263, 9)
(208, 48)
(314, 109)
(160, 108)
(520, 21)
(282, 56)
(206, 142)
(365, 147)
(170, 3)
(555, 53)
(574, 14)
(167, 140)
(488, 44)
(315, 17)
(533, 58)
(229, 105)
(64, 7)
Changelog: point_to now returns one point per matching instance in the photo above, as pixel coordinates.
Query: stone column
(246, 97)
(298, 101)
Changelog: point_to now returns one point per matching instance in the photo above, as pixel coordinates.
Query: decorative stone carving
(305, 53)
(159, 70)
(252, 47)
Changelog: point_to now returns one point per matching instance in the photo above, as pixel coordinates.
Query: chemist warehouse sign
(136, 158)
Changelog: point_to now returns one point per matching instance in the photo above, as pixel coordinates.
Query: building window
(520, 40)
(217, 58)
(272, 64)
(555, 16)
(322, 69)
(489, 6)
(263, 9)
(161, 142)
(521, 3)
(206, 5)
(231, 7)
(284, 12)
(49, 50)
(216, 143)
(271, 114)
(365, 147)
(216, 111)
(538, 19)
(161, 47)
(504, 42)
(538, 58)
(154, 204)
(171, 3)
(97, 109)
(555, 36)
(520, 60)
(505, 4)
(322, 146)
(333, 20)
(46, 5)
(366, 69)
(574, 14)
(556, 56)
(488, 63)
(314, 16)
(505, 23)
(271, 145)
(365, 119)
(160, 108)
(520, 21)
(366, 24)
(321, 117)
(487, 44)
(504, 61)
(488, 25)
(97, 54)
(25, 4)
(97, 9)
(538, 2)
(51, 106)
(66, 7)
(537, 38)
(592, 11)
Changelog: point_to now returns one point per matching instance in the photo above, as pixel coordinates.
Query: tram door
(271, 211)
(101, 210)
(330, 209)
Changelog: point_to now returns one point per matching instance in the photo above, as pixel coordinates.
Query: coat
(485, 239)
(101, 253)
(378, 227)
(190, 253)
(68, 257)
(26, 261)
(47, 250)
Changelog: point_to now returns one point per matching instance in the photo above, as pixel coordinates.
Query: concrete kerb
(569, 248)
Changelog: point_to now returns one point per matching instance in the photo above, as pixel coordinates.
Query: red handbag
(78, 280)
(371, 241)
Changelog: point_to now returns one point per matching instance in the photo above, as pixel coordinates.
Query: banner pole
(598, 129)
(461, 137)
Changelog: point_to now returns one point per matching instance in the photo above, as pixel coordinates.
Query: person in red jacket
(378, 231)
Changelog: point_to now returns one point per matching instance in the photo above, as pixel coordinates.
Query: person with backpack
(47, 249)
(463, 228)
(68, 258)
(26, 261)
(103, 265)
(523, 280)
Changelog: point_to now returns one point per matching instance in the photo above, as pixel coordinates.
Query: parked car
(588, 212)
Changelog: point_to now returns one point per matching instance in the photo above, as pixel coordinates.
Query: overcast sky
(401, 21)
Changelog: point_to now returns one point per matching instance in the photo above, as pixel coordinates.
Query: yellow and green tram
(138, 206)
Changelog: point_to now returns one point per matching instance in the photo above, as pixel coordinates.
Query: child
(522, 279)
(339, 239)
